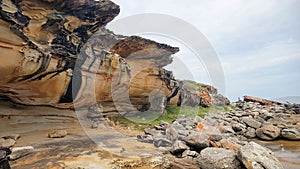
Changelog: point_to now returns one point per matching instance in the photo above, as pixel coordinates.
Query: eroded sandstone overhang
(56, 52)
(41, 40)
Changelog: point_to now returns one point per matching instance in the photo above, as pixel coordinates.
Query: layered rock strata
(58, 53)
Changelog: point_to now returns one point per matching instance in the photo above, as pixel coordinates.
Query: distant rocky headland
(59, 53)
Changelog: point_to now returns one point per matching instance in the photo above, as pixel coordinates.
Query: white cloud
(258, 42)
(273, 54)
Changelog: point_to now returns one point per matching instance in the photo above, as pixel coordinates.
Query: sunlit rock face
(57, 53)
(39, 43)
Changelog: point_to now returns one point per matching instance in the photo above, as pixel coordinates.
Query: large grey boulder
(255, 156)
(218, 158)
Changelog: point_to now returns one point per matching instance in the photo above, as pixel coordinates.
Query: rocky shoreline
(224, 140)
(193, 143)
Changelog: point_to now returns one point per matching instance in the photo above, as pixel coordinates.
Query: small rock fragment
(162, 142)
(171, 134)
(238, 127)
(94, 125)
(215, 137)
(190, 153)
(164, 124)
(145, 138)
(227, 129)
(93, 115)
(152, 131)
(58, 134)
(178, 147)
(251, 133)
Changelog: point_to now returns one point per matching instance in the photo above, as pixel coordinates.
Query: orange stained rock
(200, 126)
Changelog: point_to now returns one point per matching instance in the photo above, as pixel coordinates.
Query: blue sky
(257, 42)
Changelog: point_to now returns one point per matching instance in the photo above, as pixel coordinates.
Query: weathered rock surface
(232, 131)
(205, 94)
(12, 136)
(293, 107)
(7, 142)
(255, 156)
(55, 51)
(250, 133)
(145, 138)
(230, 145)
(39, 42)
(251, 122)
(178, 147)
(218, 158)
(291, 134)
(268, 132)
(184, 164)
(58, 134)
(267, 122)
(197, 141)
(162, 142)
(19, 152)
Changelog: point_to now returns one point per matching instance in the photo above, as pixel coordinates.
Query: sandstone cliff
(56, 52)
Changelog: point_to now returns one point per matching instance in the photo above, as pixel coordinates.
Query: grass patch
(192, 85)
(172, 113)
(232, 107)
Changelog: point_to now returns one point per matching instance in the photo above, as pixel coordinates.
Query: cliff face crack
(73, 88)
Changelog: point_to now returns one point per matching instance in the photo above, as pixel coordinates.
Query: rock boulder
(268, 132)
(254, 156)
(218, 158)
